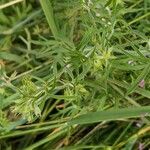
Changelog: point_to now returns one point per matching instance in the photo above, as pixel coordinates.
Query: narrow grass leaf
(10, 4)
(113, 114)
(138, 90)
(8, 101)
(11, 57)
(48, 11)
(140, 77)
(22, 23)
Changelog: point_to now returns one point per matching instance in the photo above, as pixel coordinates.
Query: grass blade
(138, 90)
(140, 77)
(11, 57)
(113, 114)
(10, 4)
(48, 11)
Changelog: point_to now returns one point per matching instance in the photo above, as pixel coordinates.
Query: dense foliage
(74, 74)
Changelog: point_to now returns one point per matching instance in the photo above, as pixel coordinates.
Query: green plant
(74, 74)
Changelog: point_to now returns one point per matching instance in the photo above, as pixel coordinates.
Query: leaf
(128, 67)
(3, 119)
(47, 8)
(13, 125)
(140, 77)
(8, 101)
(108, 3)
(138, 90)
(113, 114)
(11, 57)
(37, 110)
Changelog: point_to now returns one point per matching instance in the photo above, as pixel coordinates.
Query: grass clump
(74, 74)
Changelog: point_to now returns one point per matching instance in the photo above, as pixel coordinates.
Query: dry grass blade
(10, 3)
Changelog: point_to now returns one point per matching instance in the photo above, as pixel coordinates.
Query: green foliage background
(75, 74)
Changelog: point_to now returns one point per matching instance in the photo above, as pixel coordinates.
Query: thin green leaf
(11, 57)
(113, 114)
(138, 90)
(140, 77)
(48, 10)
